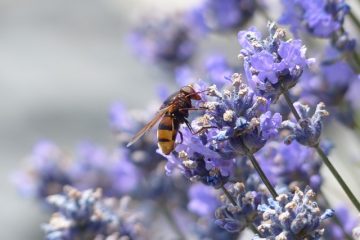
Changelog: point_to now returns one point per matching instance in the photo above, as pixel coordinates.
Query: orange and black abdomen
(166, 134)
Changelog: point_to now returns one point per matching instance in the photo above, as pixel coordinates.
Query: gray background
(62, 63)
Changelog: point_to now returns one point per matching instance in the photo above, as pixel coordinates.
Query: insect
(173, 112)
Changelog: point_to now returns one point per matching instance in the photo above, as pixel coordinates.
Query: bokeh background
(63, 62)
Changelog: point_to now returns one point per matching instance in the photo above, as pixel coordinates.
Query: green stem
(290, 104)
(254, 229)
(325, 158)
(356, 59)
(228, 195)
(262, 175)
(338, 177)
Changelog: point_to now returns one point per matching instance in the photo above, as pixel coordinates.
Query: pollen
(210, 105)
(229, 115)
(190, 164)
(213, 91)
(261, 100)
(236, 79)
(227, 93)
(243, 91)
(183, 155)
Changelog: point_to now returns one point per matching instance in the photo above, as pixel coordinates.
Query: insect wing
(149, 125)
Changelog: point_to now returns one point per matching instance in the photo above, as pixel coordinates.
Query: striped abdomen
(166, 134)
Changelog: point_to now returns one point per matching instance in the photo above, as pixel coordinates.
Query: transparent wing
(149, 125)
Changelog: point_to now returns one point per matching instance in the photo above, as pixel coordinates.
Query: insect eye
(188, 90)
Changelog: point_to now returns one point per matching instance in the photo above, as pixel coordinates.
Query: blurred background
(63, 62)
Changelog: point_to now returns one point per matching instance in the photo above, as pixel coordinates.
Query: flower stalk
(324, 158)
(262, 175)
(354, 19)
(228, 195)
(340, 180)
(254, 229)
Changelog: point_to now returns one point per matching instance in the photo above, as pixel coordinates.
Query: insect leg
(203, 129)
(193, 109)
(181, 137)
(189, 126)
(198, 131)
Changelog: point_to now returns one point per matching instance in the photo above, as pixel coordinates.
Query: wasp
(173, 112)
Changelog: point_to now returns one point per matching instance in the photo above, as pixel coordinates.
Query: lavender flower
(203, 200)
(330, 81)
(237, 218)
(321, 18)
(331, 84)
(47, 172)
(225, 15)
(168, 40)
(242, 120)
(291, 166)
(348, 222)
(308, 130)
(202, 228)
(96, 168)
(272, 65)
(81, 215)
(93, 167)
(292, 216)
(240, 124)
(199, 163)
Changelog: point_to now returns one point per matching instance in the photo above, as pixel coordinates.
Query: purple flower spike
(272, 65)
(237, 218)
(242, 120)
(308, 130)
(330, 83)
(269, 124)
(167, 40)
(96, 168)
(292, 216)
(47, 172)
(203, 200)
(293, 165)
(87, 215)
(347, 221)
(197, 162)
(320, 18)
(224, 15)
